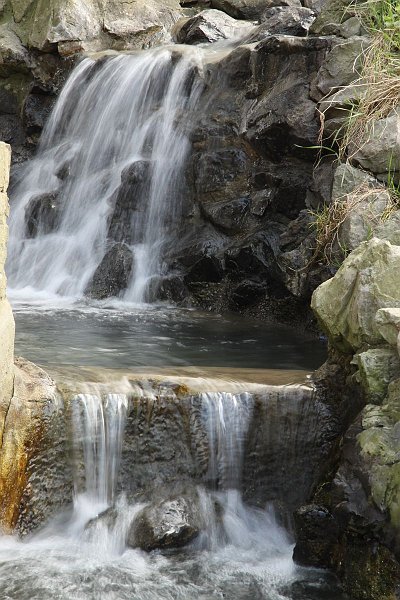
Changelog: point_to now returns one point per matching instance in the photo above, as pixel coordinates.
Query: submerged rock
(167, 524)
(113, 273)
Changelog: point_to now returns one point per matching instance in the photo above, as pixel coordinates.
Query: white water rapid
(120, 116)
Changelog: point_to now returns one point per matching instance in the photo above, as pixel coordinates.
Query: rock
(388, 324)
(246, 9)
(287, 20)
(113, 274)
(332, 17)
(37, 110)
(167, 524)
(347, 179)
(341, 67)
(316, 534)
(379, 151)
(349, 526)
(377, 367)
(42, 214)
(247, 293)
(94, 24)
(6, 317)
(30, 486)
(337, 108)
(209, 26)
(346, 305)
(135, 182)
(207, 269)
(366, 209)
(271, 128)
(227, 216)
(254, 259)
(320, 190)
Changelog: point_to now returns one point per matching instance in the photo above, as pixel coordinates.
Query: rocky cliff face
(245, 241)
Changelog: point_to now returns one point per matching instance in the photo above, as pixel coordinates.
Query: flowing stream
(128, 117)
(242, 554)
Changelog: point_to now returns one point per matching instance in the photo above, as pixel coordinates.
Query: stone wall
(6, 317)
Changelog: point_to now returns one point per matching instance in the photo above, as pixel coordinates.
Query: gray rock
(377, 367)
(209, 26)
(244, 9)
(347, 179)
(135, 182)
(341, 67)
(42, 214)
(346, 305)
(113, 273)
(379, 152)
(364, 219)
(288, 20)
(388, 323)
(169, 523)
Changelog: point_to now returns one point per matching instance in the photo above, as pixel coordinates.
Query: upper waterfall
(119, 118)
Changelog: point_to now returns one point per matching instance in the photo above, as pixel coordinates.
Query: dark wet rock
(37, 110)
(134, 186)
(288, 20)
(173, 289)
(113, 273)
(247, 293)
(249, 9)
(42, 214)
(106, 519)
(254, 259)
(316, 534)
(209, 26)
(170, 523)
(207, 269)
(228, 216)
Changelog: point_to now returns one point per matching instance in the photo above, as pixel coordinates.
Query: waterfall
(229, 521)
(108, 171)
(98, 430)
(227, 418)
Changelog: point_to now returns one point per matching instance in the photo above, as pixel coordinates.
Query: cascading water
(98, 426)
(121, 117)
(227, 418)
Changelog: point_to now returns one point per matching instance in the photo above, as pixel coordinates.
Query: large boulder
(73, 25)
(170, 523)
(32, 482)
(113, 274)
(346, 305)
(209, 26)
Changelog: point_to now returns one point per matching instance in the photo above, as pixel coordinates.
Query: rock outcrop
(6, 318)
(169, 523)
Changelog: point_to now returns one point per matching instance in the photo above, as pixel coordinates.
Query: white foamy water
(114, 113)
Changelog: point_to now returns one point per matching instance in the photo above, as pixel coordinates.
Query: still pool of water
(126, 336)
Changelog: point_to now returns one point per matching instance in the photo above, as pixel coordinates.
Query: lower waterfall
(242, 554)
